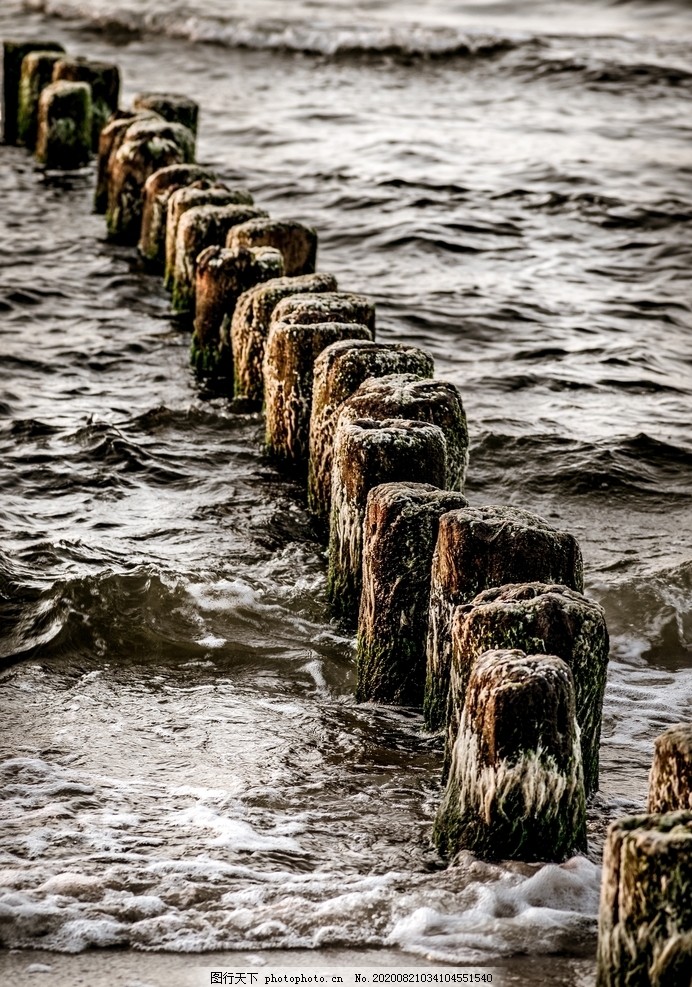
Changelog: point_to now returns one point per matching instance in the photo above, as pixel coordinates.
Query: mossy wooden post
(670, 781)
(199, 228)
(480, 547)
(190, 197)
(158, 189)
(645, 920)
(110, 139)
(409, 396)
(327, 306)
(289, 361)
(536, 617)
(399, 535)
(172, 107)
(14, 53)
(339, 371)
(515, 789)
(250, 328)
(104, 81)
(63, 139)
(222, 276)
(367, 453)
(297, 243)
(148, 146)
(37, 73)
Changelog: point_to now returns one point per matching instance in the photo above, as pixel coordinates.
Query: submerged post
(670, 782)
(14, 53)
(103, 78)
(250, 328)
(172, 107)
(288, 372)
(367, 453)
(480, 547)
(515, 787)
(536, 617)
(64, 126)
(399, 535)
(297, 242)
(339, 371)
(645, 920)
(37, 73)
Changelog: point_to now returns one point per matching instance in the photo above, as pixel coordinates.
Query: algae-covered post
(515, 788)
(148, 146)
(297, 242)
(37, 73)
(670, 782)
(480, 547)
(645, 920)
(173, 107)
(339, 371)
(250, 328)
(536, 617)
(158, 189)
(289, 362)
(222, 276)
(367, 453)
(64, 126)
(110, 139)
(199, 228)
(399, 535)
(327, 306)
(103, 78)
(14, 53)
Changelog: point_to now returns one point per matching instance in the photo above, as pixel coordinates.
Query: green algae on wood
(157, 191)
(515, 787)
(479, 547)
(222, 277)
(645, 918)
(250, 327)
(399, 535)
(173, 107)
(670, 781)
(63, 139)
(37, 73)
(366, 453)
(104, 80)
(539, 618)
(289, 362)
(339, 371)
(297, 242)
(14, 53)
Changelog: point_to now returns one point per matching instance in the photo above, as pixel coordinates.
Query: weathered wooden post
(148, 146)
(289, 361)
(250, 328)
(536, 617)
(339, 371)
(172, 107)
(14, 53)
(37, 73)
(157, 191)
(198, 228)
(104, 80)
(222, 276)
(645, 921)
(327, 306)
(670, 781)
(110, 139)
(367, 453)
(64, 126)
(190, 197)
(480, 547)
(297, 243)
(409, 396)
(399, 536)
(515, 788)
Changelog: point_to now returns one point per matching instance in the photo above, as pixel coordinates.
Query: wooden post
(289, 362)
(536, 617)
(515, 788)
(14, 53)
(172, 107)
(104, 80)
(64, 126)
(645, 921)
(110, 139)
(399, 535)
(250, 328)
(339, 371)
(327, 306)
(222, 276)
(297, 243)
(367, 453)
(37, 73)
(480, 547)
(670, 782)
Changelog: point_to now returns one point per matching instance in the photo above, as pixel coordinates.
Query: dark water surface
(183, 765)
